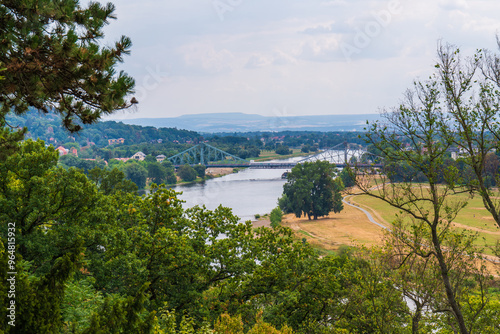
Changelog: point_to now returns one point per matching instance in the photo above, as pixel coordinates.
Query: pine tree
(53, 61)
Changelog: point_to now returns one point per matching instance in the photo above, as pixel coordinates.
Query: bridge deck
(276, 165)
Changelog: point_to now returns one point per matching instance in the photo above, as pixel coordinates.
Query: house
(73, 151)
(139, 156)
(160, 158)
(116, 141)
(62, 150)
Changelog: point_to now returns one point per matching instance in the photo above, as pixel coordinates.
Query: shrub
(276, 216)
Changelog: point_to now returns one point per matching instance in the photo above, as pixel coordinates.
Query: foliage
(200, 170)
(311, 190)
(109, 181)
(157, 172)
(70, 160)
(187, 173)
(55, 62)
(276, 216)
(136, 173)
(416, 138)
(283, 150)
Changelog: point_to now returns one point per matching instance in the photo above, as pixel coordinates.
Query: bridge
(341, 155)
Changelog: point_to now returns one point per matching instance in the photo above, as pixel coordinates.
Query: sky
(289, 57)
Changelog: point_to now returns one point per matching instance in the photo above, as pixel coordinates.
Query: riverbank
(218, 172)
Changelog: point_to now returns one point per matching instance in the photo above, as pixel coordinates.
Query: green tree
(200, 170)
(311, 190)
(157, 172)
(136, 173)
(283, 150)
(276, 216)
(428, 208)
(57, 214)
(346, 178)
(55, 61)
(112, 180)
(187, 173)
(150, 158)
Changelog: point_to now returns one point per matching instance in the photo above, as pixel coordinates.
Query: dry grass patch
(350, 227)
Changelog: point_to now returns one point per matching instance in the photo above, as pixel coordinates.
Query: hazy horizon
(289, 58)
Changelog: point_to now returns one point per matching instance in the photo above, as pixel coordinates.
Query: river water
(248, 192)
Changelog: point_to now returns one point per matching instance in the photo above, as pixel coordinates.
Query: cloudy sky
(289, 57)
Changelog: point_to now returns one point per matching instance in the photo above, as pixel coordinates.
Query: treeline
(139, 174)
(48, 128)
(94, 257)
(92, 141)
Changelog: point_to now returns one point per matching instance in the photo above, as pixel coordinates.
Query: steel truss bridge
(341, 155)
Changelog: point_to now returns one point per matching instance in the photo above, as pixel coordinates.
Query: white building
(139, 156)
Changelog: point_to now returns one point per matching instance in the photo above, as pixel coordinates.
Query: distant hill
(48, 127)
(240, 122)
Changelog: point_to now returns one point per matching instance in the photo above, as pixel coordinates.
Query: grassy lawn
(473, 217)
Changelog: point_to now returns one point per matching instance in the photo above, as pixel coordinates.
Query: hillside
(48, 128)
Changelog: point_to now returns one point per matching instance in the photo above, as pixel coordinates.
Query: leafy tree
(283, 150)
(276, 216)
(111, 181)
(200, 170)
(136, 173)
(346, 178)
(150, 158)
(57, 213)
(187, 173)
(427, 209)
(55, 62)
(311, 190)
(157, 172)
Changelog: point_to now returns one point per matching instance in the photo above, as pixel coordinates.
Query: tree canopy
(54, 61)
(311, 190)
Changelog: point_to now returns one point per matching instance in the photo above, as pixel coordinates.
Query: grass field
(351, 227)
(474, 217)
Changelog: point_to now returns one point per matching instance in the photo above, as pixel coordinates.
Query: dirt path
(350, 227)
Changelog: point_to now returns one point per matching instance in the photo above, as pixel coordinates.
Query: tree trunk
(457, 312)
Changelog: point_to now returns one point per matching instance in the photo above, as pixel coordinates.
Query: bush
(276, 216)
(187, 173)
(200, 170)
(283, 150)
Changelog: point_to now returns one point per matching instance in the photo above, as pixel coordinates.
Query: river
(248, 192)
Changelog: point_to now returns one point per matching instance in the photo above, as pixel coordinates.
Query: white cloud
(258, 60)
(270, 54)
(206, 58)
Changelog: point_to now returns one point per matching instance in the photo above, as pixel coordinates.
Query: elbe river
(248, 192)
